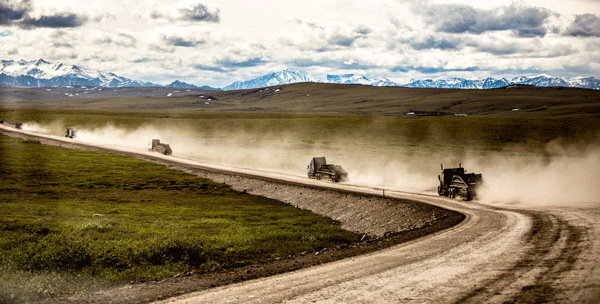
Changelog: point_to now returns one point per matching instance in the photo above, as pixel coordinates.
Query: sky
(216, 43)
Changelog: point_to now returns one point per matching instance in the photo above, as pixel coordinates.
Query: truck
(318, 169)
(70, 133)
(454, 181)
(157, 146)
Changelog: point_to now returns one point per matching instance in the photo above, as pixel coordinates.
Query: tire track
(553, 246)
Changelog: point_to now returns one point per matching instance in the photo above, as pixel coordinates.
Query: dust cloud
(567, 178)
(571, 178)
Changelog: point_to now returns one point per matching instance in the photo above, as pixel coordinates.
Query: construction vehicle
(319, 169)
(455, 181)
(70, 133)
(159, 147)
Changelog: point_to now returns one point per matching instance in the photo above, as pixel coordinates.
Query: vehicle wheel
(451, 193)
(468, 196)
(440, 191)
(318, 176)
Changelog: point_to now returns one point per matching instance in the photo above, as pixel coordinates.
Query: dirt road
(497, 254)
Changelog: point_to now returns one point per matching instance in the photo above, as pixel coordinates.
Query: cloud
(190, 10)
(432, 70)
(6, 33)
(173, 36)
(230, 63)
(63, 20)
(11, 12)
(121, 38)
(523, 20)
(586, 25)
(431, 42)
(315, 36)
(23, 15)
(181, 41)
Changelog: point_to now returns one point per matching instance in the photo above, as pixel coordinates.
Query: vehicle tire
(440, 191)
(468, 196)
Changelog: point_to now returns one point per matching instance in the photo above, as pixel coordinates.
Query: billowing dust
(567, 178)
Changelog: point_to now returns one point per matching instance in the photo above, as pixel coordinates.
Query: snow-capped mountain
(292, 76)
(491, 83)
(459, 83)
(185, 85)
(278, 78)
(39, 73)
(348, 79)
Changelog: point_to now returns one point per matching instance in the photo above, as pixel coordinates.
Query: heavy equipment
(157, 146)
(70, 133)
(454, 181)
(318, 168)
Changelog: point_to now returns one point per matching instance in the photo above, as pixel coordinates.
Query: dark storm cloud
(525, 21)
(65, 20)
(587, 25)
(10, 13)
(18, 14)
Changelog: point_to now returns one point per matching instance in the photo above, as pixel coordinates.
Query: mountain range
(40, 73)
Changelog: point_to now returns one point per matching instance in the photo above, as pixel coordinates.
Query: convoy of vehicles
(453, 181)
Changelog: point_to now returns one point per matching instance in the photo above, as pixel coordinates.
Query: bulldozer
(455, 182)
(159, 147)
(318, 169)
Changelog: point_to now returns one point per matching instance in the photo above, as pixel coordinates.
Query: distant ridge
(40, 73)
(291, 76)
(183, 85)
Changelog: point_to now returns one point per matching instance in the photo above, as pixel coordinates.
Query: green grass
(73, 220)
(336, 99)
(474, 134)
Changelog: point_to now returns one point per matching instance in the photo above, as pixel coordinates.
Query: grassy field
(472, 134)
(74, 220)
(336, 99)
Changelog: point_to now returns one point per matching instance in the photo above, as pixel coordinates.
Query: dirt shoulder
(384, 222)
